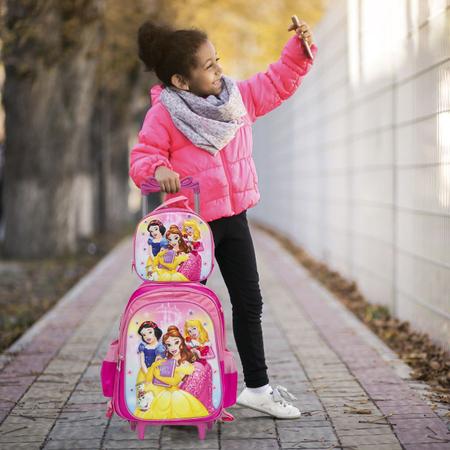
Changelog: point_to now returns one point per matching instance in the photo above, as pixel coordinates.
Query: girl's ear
(179, 81)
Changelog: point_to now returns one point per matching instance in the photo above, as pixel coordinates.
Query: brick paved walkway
(51, 396)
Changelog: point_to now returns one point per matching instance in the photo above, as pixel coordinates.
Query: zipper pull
(118, 361)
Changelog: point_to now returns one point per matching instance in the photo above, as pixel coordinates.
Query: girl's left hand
(302, 31)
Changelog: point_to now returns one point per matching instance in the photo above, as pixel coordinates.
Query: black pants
(235, 255)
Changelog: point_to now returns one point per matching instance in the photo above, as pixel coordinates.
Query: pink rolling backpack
(170, 364)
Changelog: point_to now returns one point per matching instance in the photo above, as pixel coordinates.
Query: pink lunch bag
(170, 364)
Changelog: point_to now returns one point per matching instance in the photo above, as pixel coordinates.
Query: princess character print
(173, 246)
(171, 370)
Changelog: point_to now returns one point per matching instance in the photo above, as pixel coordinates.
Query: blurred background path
(352, 390)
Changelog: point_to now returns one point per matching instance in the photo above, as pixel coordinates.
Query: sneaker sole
(265, 412)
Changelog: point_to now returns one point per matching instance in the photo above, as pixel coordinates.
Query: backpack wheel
(141, 430)
(201, 430)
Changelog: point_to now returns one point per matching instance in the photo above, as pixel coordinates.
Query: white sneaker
(271, 402)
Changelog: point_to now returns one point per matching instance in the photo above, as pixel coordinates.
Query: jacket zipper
(228, 180)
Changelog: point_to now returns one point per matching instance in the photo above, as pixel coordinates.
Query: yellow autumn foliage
(246, 34)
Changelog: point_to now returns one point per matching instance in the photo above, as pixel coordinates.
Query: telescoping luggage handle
(151, 185)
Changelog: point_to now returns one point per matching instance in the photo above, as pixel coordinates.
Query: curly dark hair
(167, 51)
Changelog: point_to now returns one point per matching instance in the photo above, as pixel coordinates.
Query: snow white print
(156, 241)
(149, 350)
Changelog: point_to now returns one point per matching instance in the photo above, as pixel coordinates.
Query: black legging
(235, 255)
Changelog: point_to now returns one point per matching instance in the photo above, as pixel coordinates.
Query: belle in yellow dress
(171, 402)
(166, 263)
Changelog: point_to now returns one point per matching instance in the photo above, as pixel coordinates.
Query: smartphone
(296, 22)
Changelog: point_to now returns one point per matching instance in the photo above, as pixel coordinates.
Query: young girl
(199, 125)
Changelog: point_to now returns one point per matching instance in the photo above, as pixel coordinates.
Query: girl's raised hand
(169, 181)
(302, 31)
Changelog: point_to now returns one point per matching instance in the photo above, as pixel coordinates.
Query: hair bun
(167, 51)
(151, 43)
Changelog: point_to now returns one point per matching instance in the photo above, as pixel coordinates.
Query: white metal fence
(355, 167)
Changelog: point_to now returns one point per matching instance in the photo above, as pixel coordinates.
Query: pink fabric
(228, 181)
(108, 369)
(192, 267)
(107, 376)
(199, 384)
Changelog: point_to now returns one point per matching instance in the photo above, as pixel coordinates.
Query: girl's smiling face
(206, 77)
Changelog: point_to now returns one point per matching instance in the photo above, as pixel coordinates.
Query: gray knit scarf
(211, 122)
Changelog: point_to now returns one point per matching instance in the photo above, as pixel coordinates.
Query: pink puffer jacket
(228, 180)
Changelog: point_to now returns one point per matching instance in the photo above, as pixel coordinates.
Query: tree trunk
(111, 122)
(50, 81)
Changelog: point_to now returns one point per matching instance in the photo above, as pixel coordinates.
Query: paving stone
(251, 428)
(370, 439)
(307, 435)
(379, 447)
(312, 348)
(81, 418)
(430, 446)
(68, 431)
(18, 429)
(192, 443)
(303, 422)
(419, 434)
(180, 437)
(302, 447)
(125, 433)
(354, 423)
(307, 446)
(249, 444)
(20, 446)
(148, 444)
(182, 432)
(68, 444)
(371, 430)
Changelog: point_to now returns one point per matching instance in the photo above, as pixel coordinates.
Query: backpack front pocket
(230, 379)
(108, 369)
